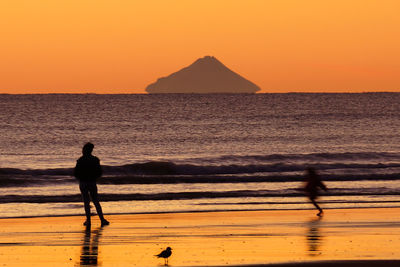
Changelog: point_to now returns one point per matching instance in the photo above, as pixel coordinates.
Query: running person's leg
(317, 206)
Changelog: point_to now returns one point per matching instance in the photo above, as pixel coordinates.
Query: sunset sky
(81, 46)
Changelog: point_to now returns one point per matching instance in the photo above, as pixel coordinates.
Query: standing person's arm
(77, 170)
(99, 171)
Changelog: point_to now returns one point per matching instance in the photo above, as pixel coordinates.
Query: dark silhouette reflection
(90, 247)
(314, 238)
(313, 183)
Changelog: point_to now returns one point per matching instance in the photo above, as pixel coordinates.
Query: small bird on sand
(165, 254)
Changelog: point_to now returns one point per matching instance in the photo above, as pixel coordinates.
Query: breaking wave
(227, 169)
(288, 193)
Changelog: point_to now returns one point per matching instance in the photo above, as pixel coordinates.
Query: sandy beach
(206, 239)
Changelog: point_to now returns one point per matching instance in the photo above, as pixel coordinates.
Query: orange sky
(116, 46)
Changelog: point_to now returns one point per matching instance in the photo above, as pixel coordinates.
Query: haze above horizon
(122, 46)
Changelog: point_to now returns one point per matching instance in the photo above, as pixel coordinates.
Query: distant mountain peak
(207, 59)
(205, 75)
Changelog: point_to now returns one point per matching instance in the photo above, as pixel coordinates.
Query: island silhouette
(205, 75)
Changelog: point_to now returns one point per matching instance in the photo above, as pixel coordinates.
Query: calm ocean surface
(170, 153)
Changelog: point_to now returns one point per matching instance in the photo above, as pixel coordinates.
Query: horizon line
(145, 93)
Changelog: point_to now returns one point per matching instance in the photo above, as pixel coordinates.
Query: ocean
(211, 152)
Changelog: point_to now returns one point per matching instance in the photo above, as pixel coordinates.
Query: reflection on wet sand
(90, 247)
(314, 238)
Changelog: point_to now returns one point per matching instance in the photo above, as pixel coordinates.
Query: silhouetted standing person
(313, 182)
(87, 171)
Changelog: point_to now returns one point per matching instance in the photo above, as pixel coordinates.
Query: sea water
(189, 152)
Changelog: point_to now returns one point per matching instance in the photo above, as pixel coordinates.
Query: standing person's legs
(86, 200)
(96, 202)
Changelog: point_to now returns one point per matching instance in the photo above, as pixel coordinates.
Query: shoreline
(234, 238)
(342, 263)
(197, 211)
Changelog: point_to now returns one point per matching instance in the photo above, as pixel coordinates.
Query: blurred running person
(313, 183)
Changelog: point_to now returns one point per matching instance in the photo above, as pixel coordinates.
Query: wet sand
(351, 237)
